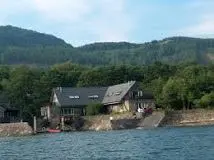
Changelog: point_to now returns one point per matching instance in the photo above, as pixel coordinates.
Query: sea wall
(195, 117)
(15, 129)
(122, 121)
(104, 122)
(189, 118)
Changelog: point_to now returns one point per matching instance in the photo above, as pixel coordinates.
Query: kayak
(54, 130)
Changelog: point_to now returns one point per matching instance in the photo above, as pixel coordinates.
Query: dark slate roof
(68, 96)
(115, 93)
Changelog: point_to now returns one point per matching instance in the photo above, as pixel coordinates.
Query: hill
(169, 50)
(21, 46)
(14, 36)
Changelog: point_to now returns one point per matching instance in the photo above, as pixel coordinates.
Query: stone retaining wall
(15, 129)
(122, 121)
(103, 122)
(189, 118)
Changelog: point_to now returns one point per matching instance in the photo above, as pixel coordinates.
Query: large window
(70, 111)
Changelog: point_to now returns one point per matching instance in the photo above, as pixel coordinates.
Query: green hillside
(14, 36)
(20, 46)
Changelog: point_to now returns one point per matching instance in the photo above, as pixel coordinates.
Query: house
(67, 101)
(8, 114)
(127, 97)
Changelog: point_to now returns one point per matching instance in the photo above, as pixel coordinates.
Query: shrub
(207, 100)
(94, 109)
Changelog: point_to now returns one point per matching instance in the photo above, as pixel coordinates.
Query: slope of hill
(18, 46)
(104, 46)
(169, 50)
(14, 36)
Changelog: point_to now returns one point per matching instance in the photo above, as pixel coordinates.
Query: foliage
(20, 46)
(207, 100)
(174, 86)
(94, 109)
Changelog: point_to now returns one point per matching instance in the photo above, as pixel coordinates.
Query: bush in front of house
(94, 109)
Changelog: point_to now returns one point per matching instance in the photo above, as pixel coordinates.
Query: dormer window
(110, 94)
(74, 97)
(93, 97)
(117, 93)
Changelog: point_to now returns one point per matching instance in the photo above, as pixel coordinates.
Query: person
(140, 110)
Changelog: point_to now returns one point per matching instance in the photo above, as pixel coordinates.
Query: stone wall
(189, 118)
(122, 121)
(15, 129)
(103, 122)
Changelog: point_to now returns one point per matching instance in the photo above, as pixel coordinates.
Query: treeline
(21, 46)
(172, 51)
(184, 86)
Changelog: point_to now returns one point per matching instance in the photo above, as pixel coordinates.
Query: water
(164, 143)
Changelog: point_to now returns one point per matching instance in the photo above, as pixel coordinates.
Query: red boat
(54, 130)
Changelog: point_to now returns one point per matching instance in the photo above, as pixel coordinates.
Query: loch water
(183, 143)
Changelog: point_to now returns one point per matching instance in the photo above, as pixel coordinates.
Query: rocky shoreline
(15, 129)
(197, 117)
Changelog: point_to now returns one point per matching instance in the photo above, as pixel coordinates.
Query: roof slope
(68, 96)
(115, 93)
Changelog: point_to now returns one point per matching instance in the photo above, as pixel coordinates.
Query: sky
(80, 22)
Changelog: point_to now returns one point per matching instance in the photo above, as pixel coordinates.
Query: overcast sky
(86, 21)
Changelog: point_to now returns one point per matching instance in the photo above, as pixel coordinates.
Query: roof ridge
(123, 83)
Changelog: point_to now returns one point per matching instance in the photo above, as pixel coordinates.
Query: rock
(15, 129)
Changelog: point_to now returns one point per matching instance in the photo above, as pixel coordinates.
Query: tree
(20, 89)
(94, 109)
(171, 98)
(157, 89)
(207, 100)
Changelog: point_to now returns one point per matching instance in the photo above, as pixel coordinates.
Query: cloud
(204, 25)
(73, 20)
(9, 8)
(106, 20)
(63, 10)
(112, 23)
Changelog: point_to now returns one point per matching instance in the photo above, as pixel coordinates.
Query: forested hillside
(14, 36)
(20, 46)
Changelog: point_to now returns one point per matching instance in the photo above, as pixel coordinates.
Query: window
(74, 97)
(117, 93)
(140, 93)
(93, 96)
(110, 94)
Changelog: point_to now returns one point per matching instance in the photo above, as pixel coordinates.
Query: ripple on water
(163, 144)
